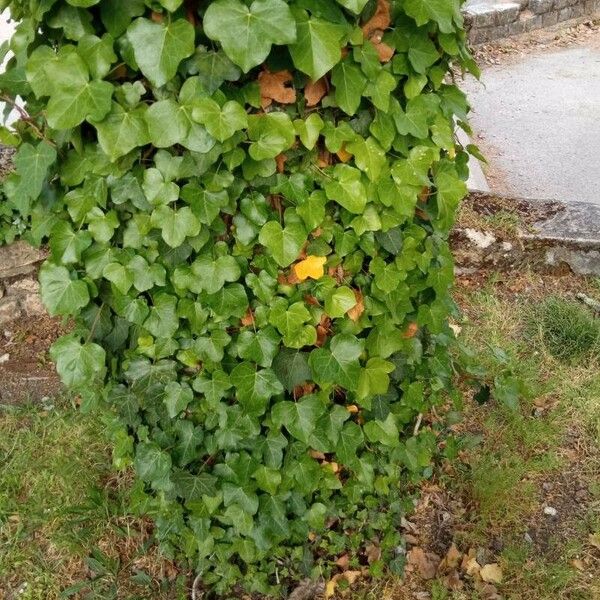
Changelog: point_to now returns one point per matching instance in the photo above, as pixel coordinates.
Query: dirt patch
(26, 372)
(510, 50)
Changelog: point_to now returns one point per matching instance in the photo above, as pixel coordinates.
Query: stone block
(577, 10)
(10, 310)
(550, 18)
(531, 22)
(565, 14)
(481, 15)
(507, 13)
(515, 28)
(19, 259)
(541, 6)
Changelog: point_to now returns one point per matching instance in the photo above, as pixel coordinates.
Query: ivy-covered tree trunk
(247, 206)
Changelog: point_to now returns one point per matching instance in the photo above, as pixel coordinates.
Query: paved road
(538, 122)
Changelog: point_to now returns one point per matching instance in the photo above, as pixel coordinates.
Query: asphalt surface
(537, 119)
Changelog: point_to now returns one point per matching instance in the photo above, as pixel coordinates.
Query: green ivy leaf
(61, 294)
(443, 12)
(153, 465)
(271, 134)
(339, 364)
(177, 398)
(422, 52)
(212, 274)
(299, 418)
(339, 301)
(68, 107)
(97, 53)
(221, 122)
(32, 164)
(255, 387)
(374, 378)
(318, 46)
(160, 48)
(175, 225)
(308, 129)
(347, 189)
(213, 68)
(369, 157)
(79, 365)
(291, 368)
(349, 82)
(121, 131)
(350, 439)
(383, 432)
(247, 33)
(167, 123)
(290, 321)
(284, 243)
(354, 6)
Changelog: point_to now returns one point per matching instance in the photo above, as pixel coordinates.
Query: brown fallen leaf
(317, 455)
(491, 573)
(324, 159)
(380, 20)
(472, 567)
(352, 409)
(248, 318)
(452, 558)
(426, 563)
(375, 27)
(373, 552)
(315, 90)
(343, 154)
(275, 87)
(411, 331)
(343, 561)
(594, 540)
(359, 308)
(351, 576)
(280, 160)
(578, 564)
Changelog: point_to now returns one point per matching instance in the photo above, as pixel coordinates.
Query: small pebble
(528, 538)
(4, 358)
(550, 511)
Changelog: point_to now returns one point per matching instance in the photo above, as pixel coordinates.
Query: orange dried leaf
(351, 576)
(275, 86)
(311, 266)
(280, 160)
(411, 331)
(343, 561)
(343, 154)
(384, 51)
(248, 318)
(314, 91)
(359, 308)
(324, 159)
(380, 20)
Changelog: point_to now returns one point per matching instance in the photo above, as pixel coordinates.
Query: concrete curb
(550, 236)
(488, 20)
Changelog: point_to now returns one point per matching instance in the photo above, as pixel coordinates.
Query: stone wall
(19, 288)
(488, 20)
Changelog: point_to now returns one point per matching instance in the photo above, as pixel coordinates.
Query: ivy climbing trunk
(247, 206)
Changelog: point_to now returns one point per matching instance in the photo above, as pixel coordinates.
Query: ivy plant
(247, 206)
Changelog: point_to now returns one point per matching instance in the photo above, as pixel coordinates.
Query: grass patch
(64, 525)
(566, 329)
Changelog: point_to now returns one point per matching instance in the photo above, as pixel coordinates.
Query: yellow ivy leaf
(330, 588)
(311, 266)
